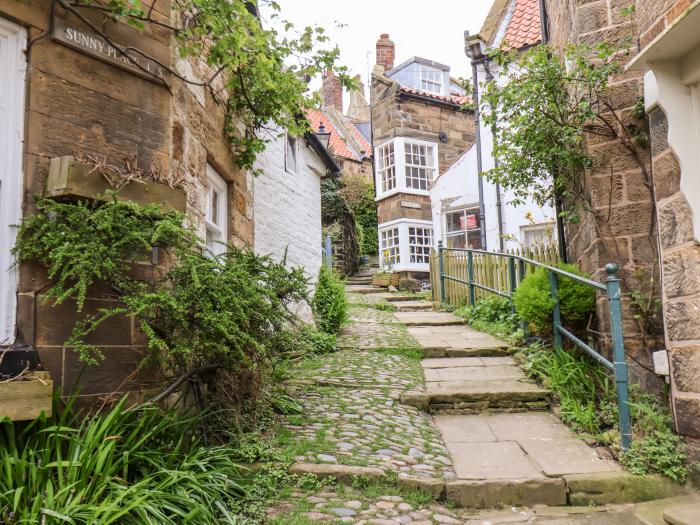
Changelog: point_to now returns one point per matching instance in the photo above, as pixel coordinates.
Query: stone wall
(620, 224)
(671, 116)
(82, 106)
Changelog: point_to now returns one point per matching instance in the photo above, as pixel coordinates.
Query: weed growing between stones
(494, 316)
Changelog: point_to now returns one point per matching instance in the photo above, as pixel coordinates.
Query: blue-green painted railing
(618, 366)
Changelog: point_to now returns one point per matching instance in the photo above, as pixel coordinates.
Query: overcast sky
(429, 29)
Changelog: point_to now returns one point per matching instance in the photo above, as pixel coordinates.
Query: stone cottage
(419, 127)
(67, 98)
(469, 210)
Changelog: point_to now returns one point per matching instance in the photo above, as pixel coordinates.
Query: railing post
(511, 278)
(441, 267)
(619, 362)
(470, 277)
(521, 277)
(556, 311)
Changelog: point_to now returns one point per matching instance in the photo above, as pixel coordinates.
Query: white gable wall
(287, 208)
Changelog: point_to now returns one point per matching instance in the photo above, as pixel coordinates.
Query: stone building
(419, 127)
(619, 223)
(669, 58)
(65, 91)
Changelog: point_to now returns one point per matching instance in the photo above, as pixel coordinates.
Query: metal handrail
(612, 286)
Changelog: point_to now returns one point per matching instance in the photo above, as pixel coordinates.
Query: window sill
(406, 191)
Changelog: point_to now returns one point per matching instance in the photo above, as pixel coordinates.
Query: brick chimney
(332, 91)
(386, 52)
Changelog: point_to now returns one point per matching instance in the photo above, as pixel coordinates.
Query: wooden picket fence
(489, 270)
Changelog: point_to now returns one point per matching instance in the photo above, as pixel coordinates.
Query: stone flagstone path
(415, 399)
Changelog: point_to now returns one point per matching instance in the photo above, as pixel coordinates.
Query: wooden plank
(26, 399)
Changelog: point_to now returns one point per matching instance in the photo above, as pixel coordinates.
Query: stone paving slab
(683, 515)
(507, 389)
(547, 443)
(493, 460)
(454, 338)
(429, 319)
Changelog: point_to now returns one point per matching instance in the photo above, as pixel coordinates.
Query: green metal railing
(517, 265)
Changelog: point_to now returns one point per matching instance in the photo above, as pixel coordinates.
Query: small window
(291, 152)
(216, 212)
(420, 240)
(386, 167)
(390, 247)
(535, 235)
(464, 229)
(431, 80)
(419, 165)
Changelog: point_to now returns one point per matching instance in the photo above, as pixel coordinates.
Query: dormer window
(431, 80)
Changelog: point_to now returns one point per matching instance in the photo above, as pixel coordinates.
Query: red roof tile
(336, 144)
(360, 138)
(524, 27)
(455, 99)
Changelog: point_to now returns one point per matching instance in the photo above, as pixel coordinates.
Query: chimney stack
(332, 91)
(386, 52)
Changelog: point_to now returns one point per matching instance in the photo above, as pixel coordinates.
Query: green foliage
(334, 207)
(493, 315)
(359, 194)
(329, 303)
(542, 158)
(258, 74)
(319, 342)
(122, 466)
(534, 302)
(587, 398)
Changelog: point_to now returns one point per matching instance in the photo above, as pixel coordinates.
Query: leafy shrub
(661, 452)
(204, 311)
(534, 302)
(493, 315)
(329, 304)
(122, 466)
(319, 342)
(359, 195)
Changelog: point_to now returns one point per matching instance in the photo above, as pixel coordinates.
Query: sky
(429, 29)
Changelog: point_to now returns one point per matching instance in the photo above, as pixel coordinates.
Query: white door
(13, 67)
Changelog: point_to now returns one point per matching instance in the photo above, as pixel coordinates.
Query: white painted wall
(12, 74)
(287, 208)
(458, 187)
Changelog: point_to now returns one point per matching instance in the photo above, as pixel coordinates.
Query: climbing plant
(258, 74)
(359, 194)
(544, 112)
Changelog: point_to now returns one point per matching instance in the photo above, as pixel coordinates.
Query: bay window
(405, 244)
(405, 165)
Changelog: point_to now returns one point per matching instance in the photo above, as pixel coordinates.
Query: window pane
(419, 165)
(420, 241)
(390, 247)
(387, 170)
(214, 207)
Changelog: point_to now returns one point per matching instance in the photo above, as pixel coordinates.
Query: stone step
(414, 306)
(429, 319)
(358, 282)
(457, 341)
(515, 459)
(397, 297)
(361, 289)
(478, 396)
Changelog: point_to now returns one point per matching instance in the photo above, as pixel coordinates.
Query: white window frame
(13, 69)
(449, 234)
(291, 146)
(386, 167)
(540, 227)
(403, 226)
(216, 227)
(432, 80)
(400, 165)
(389, 246)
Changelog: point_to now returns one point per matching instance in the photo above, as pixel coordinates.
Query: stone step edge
(570, 489)
(528, 401)
(497, 351)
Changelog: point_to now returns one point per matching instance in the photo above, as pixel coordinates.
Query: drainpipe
(473, 51)
(499, 205)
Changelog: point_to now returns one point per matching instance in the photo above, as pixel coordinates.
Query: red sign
(468, 222)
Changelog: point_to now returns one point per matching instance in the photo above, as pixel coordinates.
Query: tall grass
(140, 466)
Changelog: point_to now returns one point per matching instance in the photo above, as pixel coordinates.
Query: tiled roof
(454, 99)
(336, 144)
(524, 26)
(359, 137)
